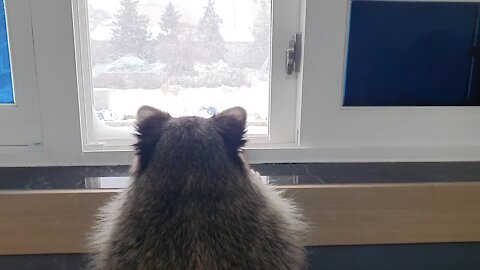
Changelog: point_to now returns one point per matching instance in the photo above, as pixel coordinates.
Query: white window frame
(57, 83)
(371, 133)
(283, 92)
(325, 132)
(20, 121)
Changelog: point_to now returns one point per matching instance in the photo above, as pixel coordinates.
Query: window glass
(187, 57)
(413, 54)
(6, 89)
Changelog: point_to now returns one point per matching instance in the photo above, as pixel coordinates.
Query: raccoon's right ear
(149, 125)
(231, 124)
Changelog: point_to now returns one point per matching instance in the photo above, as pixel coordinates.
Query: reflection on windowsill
(117, 177)
(123, 182)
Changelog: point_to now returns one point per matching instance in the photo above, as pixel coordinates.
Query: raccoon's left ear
(150, 122)
(231, 124)
(147, 111)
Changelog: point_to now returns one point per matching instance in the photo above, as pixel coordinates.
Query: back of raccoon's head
(189, 142)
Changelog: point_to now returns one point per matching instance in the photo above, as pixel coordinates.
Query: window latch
(294, 54)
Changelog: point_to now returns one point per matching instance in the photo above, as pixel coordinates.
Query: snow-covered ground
(123, 104)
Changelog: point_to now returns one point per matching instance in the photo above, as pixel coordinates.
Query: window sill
(39, 155)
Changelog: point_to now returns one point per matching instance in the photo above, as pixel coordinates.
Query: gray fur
(195, 203)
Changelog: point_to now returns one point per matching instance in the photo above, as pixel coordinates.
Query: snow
(101, 32)
(189, 101)
(103, 131)
(219, 67)
(231, 34)
(180, 101)
(127, 64)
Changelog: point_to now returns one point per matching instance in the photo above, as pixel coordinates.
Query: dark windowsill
(280, 174)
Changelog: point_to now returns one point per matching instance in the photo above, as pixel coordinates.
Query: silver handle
(294, 53)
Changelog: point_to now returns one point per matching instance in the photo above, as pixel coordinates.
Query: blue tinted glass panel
(6, 89)
(413, 54)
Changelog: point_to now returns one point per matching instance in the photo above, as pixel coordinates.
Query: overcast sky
(237, 15)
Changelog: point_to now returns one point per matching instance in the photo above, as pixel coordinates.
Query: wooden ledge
(56, 221)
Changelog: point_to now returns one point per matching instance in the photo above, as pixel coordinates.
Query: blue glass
(6, 87)
(413, 54)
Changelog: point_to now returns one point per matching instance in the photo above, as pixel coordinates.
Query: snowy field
(123, 104)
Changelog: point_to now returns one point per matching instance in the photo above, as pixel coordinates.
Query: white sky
(237, 15)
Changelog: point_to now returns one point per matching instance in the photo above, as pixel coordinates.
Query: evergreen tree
(178, 53)
(130, 34)
(260, 49)
(169, 20)
(96, 17)
(209, 35)
(175, 44)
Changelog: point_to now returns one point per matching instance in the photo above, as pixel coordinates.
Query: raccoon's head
(189, 142)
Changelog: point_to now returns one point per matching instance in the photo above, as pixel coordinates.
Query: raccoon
(194, 203)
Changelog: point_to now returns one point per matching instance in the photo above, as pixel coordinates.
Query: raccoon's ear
(231, 124)
(149, 125)
(147, 111)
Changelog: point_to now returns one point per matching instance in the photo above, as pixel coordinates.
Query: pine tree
(209, 35)
(169, 20)
(260, 49)
(178, 53)
(130, 34)
(175, 44)
(96, 17)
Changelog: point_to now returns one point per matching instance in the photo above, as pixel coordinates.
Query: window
(19, 102)
(412, 54)
(6, 88)
(307, 120)
(185, 57)
(337, 118)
